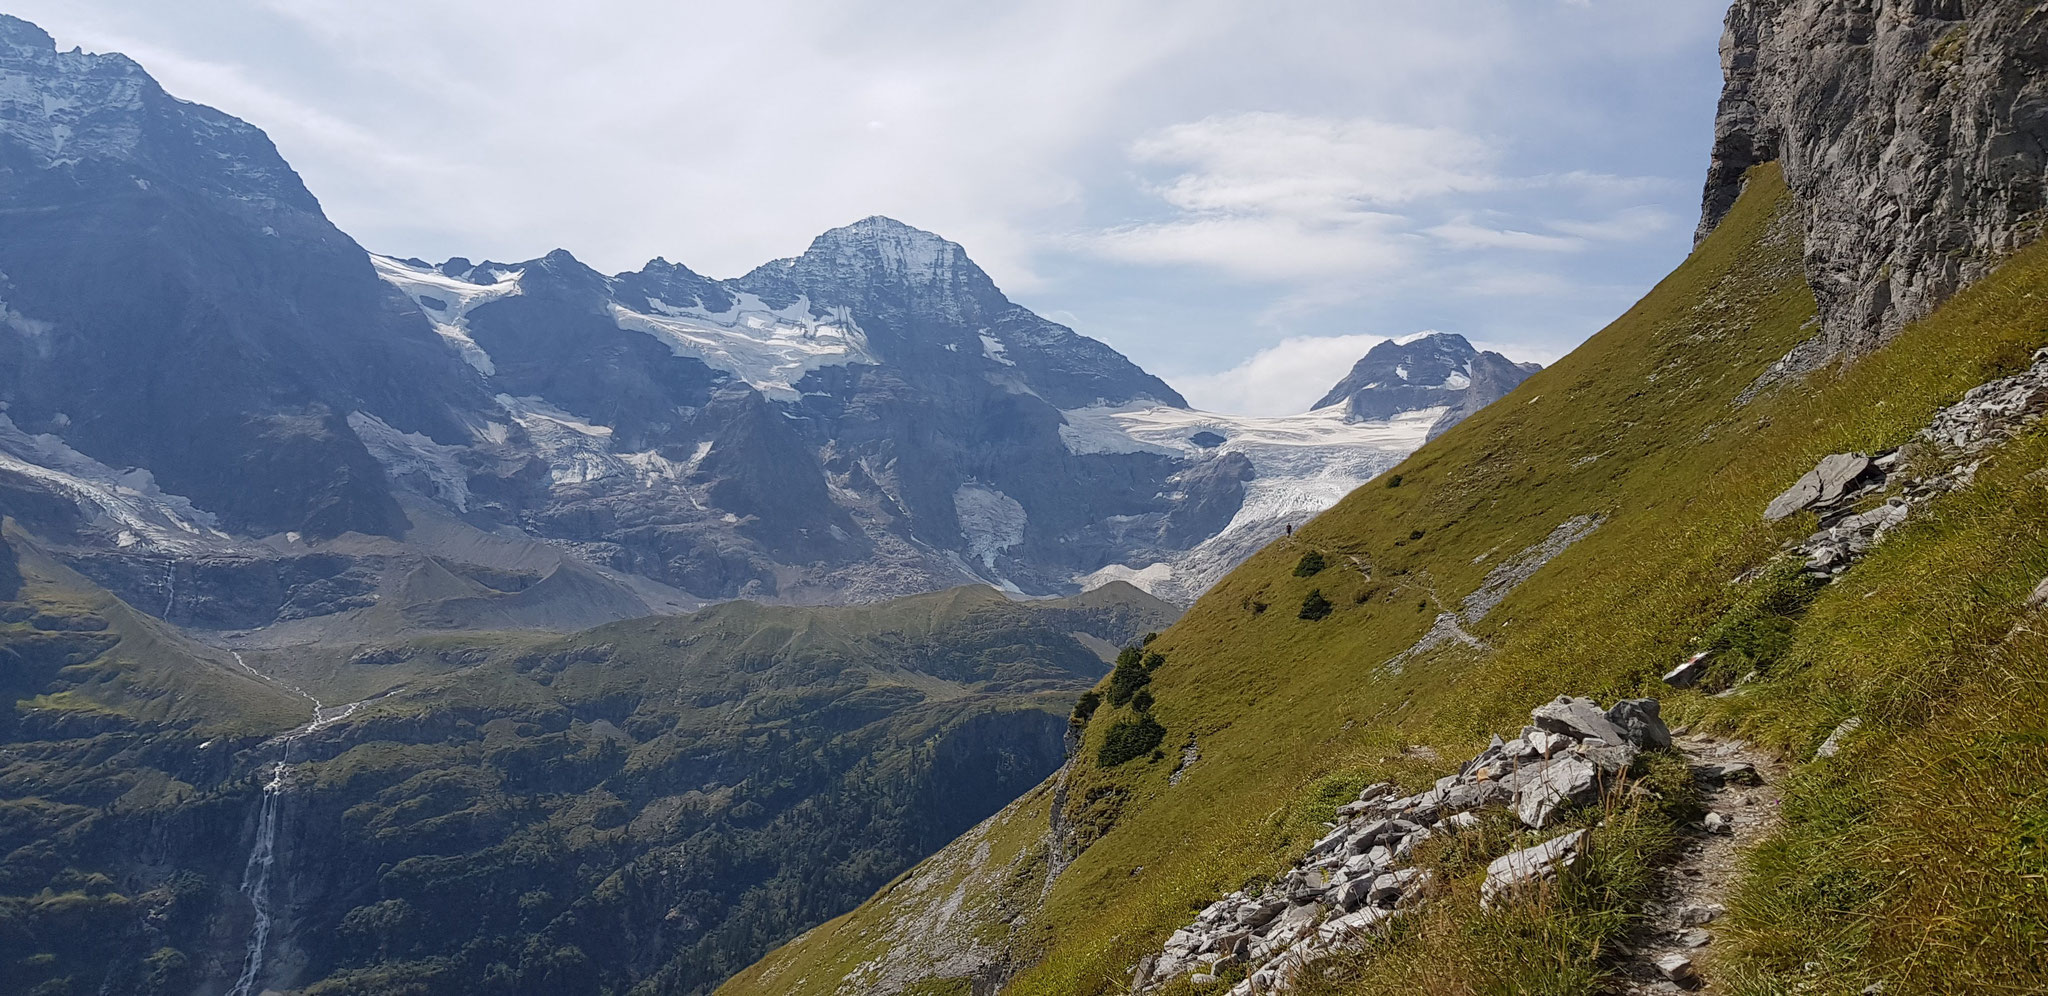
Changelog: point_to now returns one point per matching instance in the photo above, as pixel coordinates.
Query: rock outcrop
(1860, 499)
(1915, 136)
(1359, 877)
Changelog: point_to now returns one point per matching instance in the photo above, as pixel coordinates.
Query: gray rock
(1567, 780)
(1689, 673)
(1695, 938)
(1693, 916)
(1519, 870)
(1611, 759)
(1363, 921)
(1735, 772)
(1353, 893)
(1717, 823)
(2040, 596)
(1475, 795)
(1578, 718)
(1678, 968)
(1833, 744)
(1640, 724)
(1394, 886)
(1823, 485)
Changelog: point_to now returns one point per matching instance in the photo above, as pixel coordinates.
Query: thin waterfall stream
(263, 853)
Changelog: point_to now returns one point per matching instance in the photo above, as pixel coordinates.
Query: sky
(1242, 196)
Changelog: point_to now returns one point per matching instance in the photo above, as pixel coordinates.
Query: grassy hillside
(647, 806)
(1915, 857)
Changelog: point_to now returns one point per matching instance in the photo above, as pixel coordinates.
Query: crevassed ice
(128, 502)
(770, 349)
(1303, 465)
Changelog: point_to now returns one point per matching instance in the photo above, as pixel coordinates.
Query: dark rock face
(175, 300)
(1915, 136)
(1439, 369)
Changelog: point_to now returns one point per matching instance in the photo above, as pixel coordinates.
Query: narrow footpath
(1672, 951)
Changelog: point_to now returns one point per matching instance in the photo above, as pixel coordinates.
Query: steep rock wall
(1914, 133)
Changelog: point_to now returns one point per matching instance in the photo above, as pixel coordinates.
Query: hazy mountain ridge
(1437, 370)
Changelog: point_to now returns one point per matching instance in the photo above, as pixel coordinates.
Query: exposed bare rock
(1912, 135)
(1521, 870)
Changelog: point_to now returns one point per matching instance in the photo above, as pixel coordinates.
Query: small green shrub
(1310, 565)
(1394, 481)
(1085, 708)
(1143, 700)
(1129, 739)
(1129, 676)
(1315, 606)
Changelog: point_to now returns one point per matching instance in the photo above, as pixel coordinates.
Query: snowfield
(1304, 464)
(770, 349)
(447, 302)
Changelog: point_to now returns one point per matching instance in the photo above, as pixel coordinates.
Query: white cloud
(1282, 197)
(1629, 225)
(1463, 233)
(1282, 379)
(1264, 247)
(1269, 163)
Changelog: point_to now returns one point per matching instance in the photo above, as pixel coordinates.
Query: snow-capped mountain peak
(1430, 370)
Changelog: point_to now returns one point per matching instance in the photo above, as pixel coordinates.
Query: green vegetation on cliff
(1912, 858)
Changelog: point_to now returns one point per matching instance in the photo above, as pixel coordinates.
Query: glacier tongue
(447, 302)
(1304, 464)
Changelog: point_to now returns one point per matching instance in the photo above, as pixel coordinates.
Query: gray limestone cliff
(1914, 133)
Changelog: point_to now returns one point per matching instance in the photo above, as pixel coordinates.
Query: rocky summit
(1440, 370)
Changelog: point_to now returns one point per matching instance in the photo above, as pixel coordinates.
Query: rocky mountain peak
(68, 109)
(21, 39)
(1440, 369)
(891, 249)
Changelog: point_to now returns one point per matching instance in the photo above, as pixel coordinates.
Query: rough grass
(1908, 857)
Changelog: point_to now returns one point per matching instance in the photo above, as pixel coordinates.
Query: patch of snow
(770, 349)
(991, 520)
(577, 452)
(1153, 579)
(455, 299)
(1457, 381)
(126, 503)
(412, 458)
(994, 349)
(1401, 370)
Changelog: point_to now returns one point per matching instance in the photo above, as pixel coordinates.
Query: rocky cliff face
(172, 298)
(1915, 135)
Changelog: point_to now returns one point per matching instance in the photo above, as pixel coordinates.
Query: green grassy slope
(1639, 427)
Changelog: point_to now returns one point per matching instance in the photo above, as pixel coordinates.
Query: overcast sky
(1242, 196)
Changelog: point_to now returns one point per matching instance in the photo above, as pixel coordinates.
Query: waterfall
(256, 875)
(171, 585)
(263, 854)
